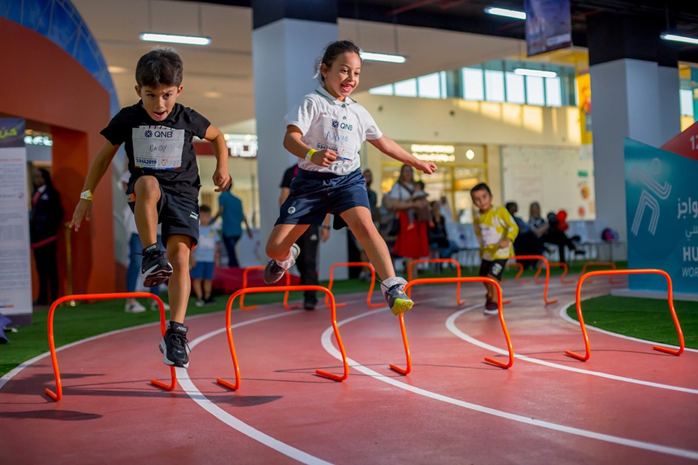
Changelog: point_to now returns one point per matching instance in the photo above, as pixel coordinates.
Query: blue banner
(662, 217)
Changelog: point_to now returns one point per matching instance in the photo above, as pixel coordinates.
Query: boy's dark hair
(511, 206)
(332, 51)
(479, 187)
(159, 67)
(204, 209)
(419, 184)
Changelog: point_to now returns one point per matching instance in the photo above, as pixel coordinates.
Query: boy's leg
(147, 190)
(196, 285)
(179, 289)
(361, 225)
(282, 250)
(208, 286)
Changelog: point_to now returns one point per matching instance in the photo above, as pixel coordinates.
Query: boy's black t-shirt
(160, 148)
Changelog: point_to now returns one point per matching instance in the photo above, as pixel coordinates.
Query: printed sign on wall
(662, 216)
(548, 25)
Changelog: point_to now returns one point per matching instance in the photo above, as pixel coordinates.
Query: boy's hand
(324, 157)
(426, 167)
(324, 234)
(82, 210)
(504, 243)
(222, 179)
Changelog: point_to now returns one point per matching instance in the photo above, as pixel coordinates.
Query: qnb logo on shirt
(165, 133)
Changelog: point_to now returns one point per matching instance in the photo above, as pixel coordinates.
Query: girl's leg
(282, 237)
(359, 221)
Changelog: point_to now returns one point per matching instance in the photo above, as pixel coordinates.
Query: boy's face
(205, 218)
(343, 76)
(482, 200)
(160, 101)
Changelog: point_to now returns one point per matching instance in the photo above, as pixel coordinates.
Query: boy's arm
(99, 166)
(393, 150)
(512, 229)
(221, 177)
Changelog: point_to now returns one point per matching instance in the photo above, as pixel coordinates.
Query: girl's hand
(222, 179)
(426, 167)
(324, 157)
(82, 210)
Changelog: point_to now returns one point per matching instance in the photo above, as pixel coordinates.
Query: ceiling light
(116, 69)
(175, 39)
(213, 94)
(470, 154)
(504, 12)
(387, 58)
(535, 72)
(684, 39)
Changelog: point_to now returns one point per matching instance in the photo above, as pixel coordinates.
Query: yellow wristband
(310, 154)
(86, 195)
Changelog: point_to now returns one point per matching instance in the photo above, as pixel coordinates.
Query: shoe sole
(274, 279)
(135, 311)
(167, 361)
(491, 312)
(401, 306)
(156, 276)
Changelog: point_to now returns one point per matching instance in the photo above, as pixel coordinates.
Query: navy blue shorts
(203, 270)
(314, 195)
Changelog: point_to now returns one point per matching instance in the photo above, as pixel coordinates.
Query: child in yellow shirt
(495, 230)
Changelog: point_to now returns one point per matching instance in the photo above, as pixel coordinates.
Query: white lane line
(569, 319)
(451, 325)
(329, 347)
(192, 391)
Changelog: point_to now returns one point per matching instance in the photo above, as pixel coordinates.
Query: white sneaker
(135, 307)
(154, 306)
(200, 303)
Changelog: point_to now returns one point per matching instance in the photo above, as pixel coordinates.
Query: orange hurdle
(518, 275)
(370, 291)
(475, 279)
(58, 395)
(257, 290)
(611, 264)
(670, 298)
(408, 289)
(564, 267)
(246, 271)
(547, 273)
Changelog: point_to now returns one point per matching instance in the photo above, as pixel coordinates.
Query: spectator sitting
(421, 210)
(204, 259)
(547, 231)
(526, 243)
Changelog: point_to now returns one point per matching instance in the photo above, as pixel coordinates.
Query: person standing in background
(230, 208)
(44, 223)
(307, 261)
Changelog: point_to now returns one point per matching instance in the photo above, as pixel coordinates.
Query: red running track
(452, 408)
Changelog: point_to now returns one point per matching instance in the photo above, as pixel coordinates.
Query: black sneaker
(275, 270)
(309, 305)
(174, 346)
(208, 301)
(491, 307)
(155, 269)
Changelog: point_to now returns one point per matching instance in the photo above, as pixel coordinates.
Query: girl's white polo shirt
(327, 123)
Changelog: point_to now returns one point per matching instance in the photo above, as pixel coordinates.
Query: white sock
(385, 285)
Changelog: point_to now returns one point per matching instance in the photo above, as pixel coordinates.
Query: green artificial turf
(86, 320)
(648, 319)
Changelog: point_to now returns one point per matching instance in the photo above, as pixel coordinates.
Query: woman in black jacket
(44, 224)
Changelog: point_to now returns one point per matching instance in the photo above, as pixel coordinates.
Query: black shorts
(315, 194)
(493, 268)
(178, 214)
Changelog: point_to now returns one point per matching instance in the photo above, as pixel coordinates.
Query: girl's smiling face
(342, 76)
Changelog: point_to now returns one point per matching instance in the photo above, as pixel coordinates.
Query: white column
(284, 54)
(628, 100)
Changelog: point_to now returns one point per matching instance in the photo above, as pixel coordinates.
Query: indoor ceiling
(218, 78)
